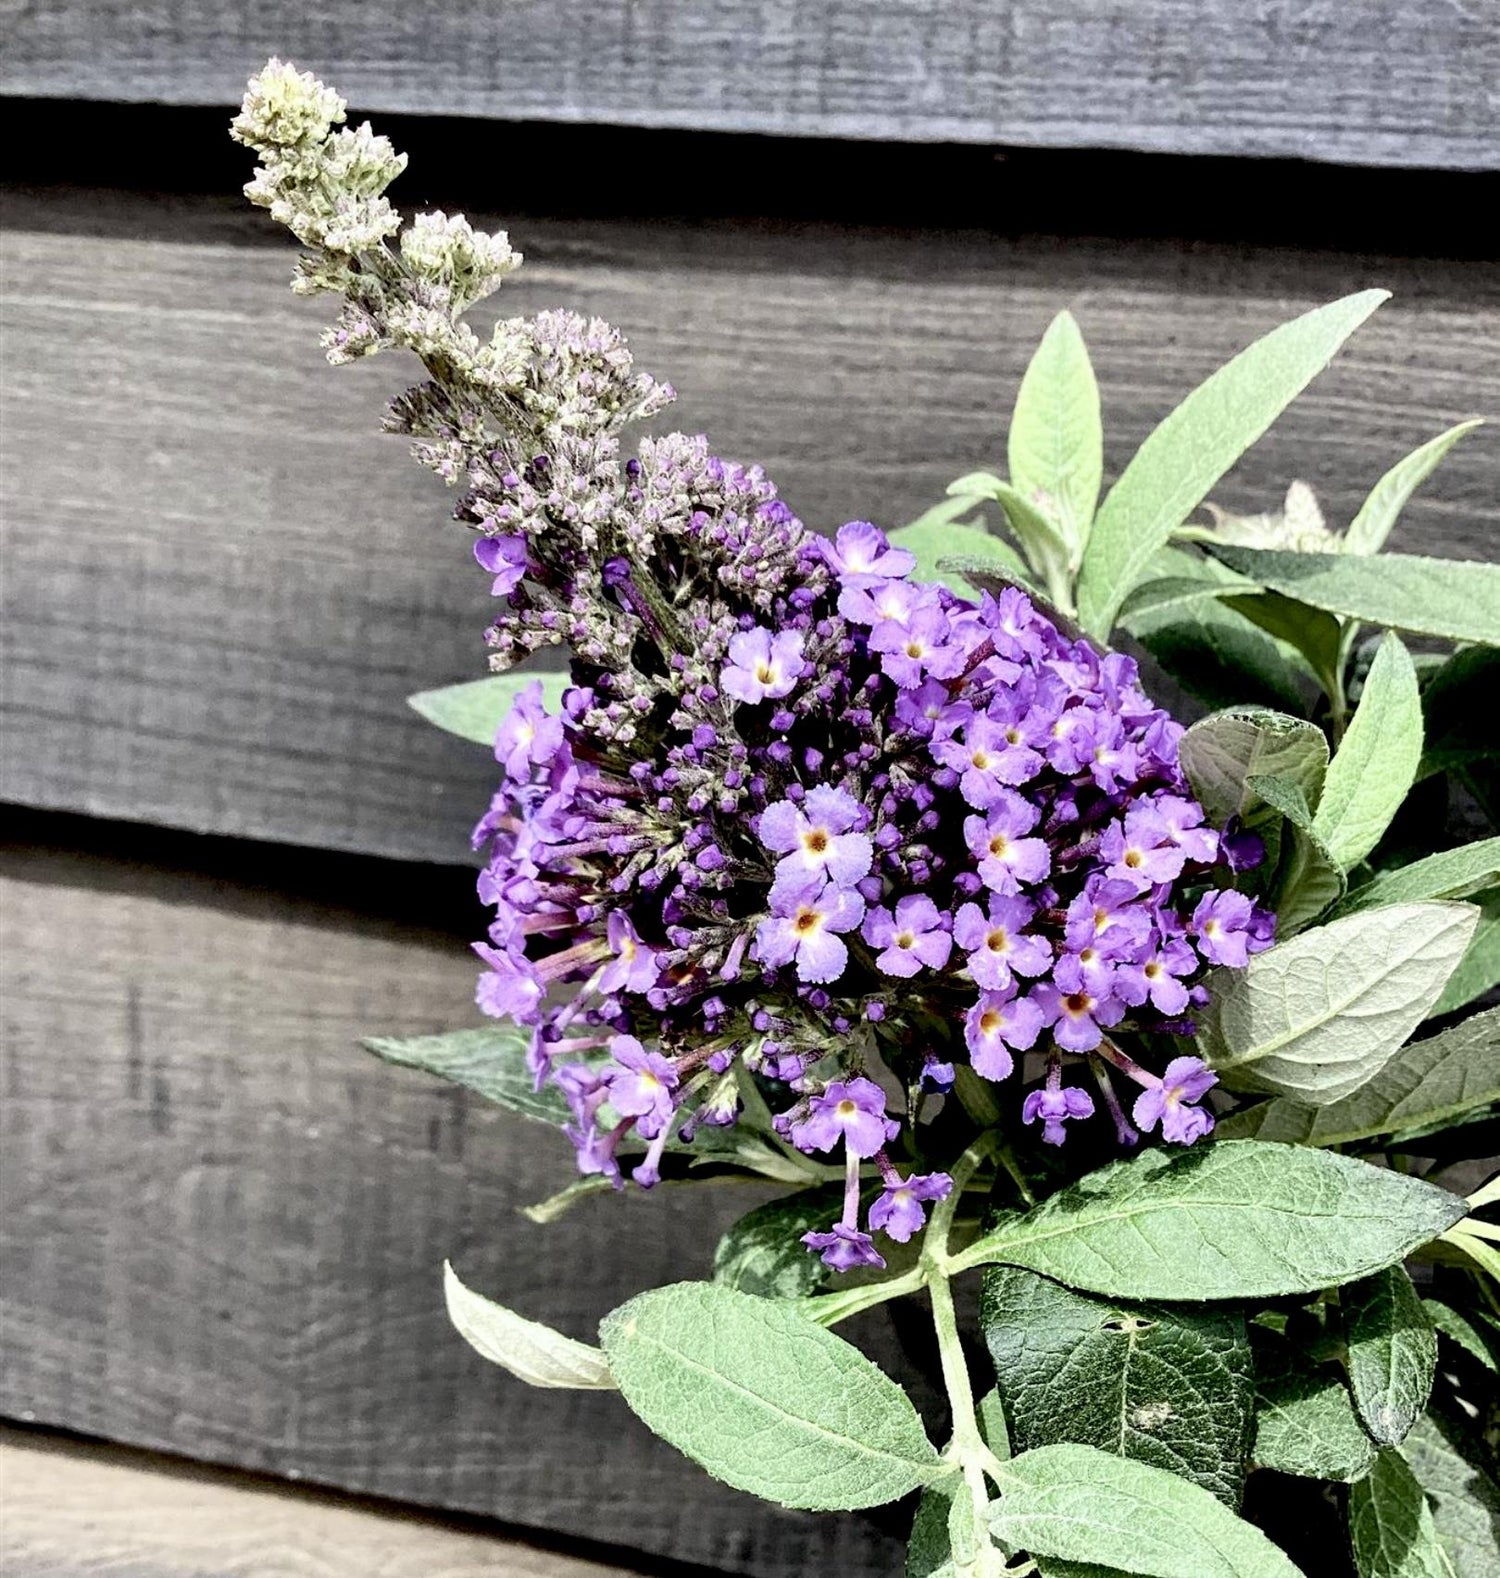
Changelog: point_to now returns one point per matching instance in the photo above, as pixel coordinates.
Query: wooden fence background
(230, 850)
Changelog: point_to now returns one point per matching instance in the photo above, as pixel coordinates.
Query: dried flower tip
(286, 109)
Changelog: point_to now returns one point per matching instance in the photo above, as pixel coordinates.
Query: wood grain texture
(1395, 82)
(222, 582)
(224, 1223)
(76, 1510)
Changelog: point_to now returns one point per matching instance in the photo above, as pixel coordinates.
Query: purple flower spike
(762, 666)
(1055, 1105)
(634, 967)
(849, 1110)
(996, 1023)
(807, 934)
(816, 843)
(641, 1086)
(898, 1212)
(1169, 1101)
(844, 1248)
(505, 559)
(915, 935)
(527, 736)
(863, 549)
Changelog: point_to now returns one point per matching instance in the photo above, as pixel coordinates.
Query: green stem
(827, 1309)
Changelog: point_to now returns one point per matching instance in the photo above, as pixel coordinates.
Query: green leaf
(1392, 1353)
(1450, 874)
(1378, 514)
(1172, 594)
(1168, 1385)
(1377, 763)
(1391, 1526)
(1084, 1505)
(1457, 712)
(1459, 1330)
(1319, 637)
(765, 1400)
(929, 1551)
(1305, 1422)
(474, 710)
(1223, 753)
(491, 1061)
(1316, 1017)
(1056, 442)
(1464, 1499)
(1428, 1082)
(1232, 1220)
(1307, 878)
(534, 1353)
(1479, 969)
(763, 1252)
(1451, 598)
(936, 535)
(1172, 472)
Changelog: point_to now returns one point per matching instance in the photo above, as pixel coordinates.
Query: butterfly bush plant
(864, 864)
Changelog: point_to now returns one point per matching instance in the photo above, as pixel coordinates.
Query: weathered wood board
(222, 581)
(75, 1509)
(1392, 82)
(224, 1222)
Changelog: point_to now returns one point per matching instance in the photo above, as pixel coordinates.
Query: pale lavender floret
(843, 1248)
(816, 842)
(1107, 916)
(1223, 926)
(998, 1022)
(1006, 857)
(510, 988)
(921, 645)
(528, 735)
(861, 548)
(1140, 850)
(996, 943)
(915, 935)
(1078, 1017)
(1183, 820)
(850, 1110)
(875, 600)
(807, 934)
(505, 559)
(1155, 976)
(1055, 1106)
(1169, 1101)
(634, 967)
(898, 1211)
(641, 1086)
(1015, 623)
(929, 712)
(992, 756)
(762, 666)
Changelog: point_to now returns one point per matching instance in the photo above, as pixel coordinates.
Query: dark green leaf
(1232, 1220)
(474, 709)
(1391, 1526)
(1305, 1421)
(1376, 764)
(1427, 1082)
(1451, 598)
(1392, 1353)
(1316, 1017)
(766, 1400)
(1169, 1385)
(1083, 1505)
(491, 1061)
(1464, 1498)
(1222, 754)
(763, 1252)
(1307, 879)
(1463, 1333)
(1316, 635)
(1450, 874)
(1479, 969)
(1458, 711)
(1173, 471)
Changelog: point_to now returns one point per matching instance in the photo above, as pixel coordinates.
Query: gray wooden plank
(76, 1510)
(1392, 82)
(222, 582)
(224, 1223)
